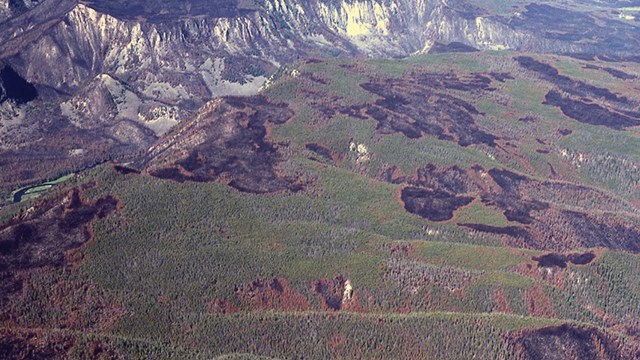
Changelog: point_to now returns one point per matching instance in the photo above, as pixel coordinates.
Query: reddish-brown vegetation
(274, 294)
(35, 245)
(538, 303)
(222, 306)
(38, 344)
(501, 301)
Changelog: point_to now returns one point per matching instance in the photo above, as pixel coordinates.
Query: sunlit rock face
(212, 48)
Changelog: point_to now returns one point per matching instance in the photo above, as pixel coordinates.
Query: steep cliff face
(65, 44)
(403, 27)
(186, 61)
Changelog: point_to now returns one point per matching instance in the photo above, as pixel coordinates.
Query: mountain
(333, 179)
(160, 61)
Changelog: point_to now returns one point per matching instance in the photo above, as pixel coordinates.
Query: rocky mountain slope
(125, 72)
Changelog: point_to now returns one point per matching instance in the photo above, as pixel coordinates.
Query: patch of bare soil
(274, 294)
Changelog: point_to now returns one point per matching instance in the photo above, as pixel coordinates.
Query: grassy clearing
(343, 81)
(576, 70)
(592, 139)
(471, 256)
(34, 191)
(283, 90)
(409, 154)
(528, 96)
(460, 62)
(336, 134)
(479, 213)
(393, 69)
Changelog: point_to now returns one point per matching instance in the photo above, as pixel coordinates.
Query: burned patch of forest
(567, 84)
(432, 204)
(41, 236)
(569, 342)
(228, 141)
(592, 114)
(534, 208)
(561, 260)
(577, 99)
(619, 74)
(421, 106)
(320, 150)
(606, 37)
